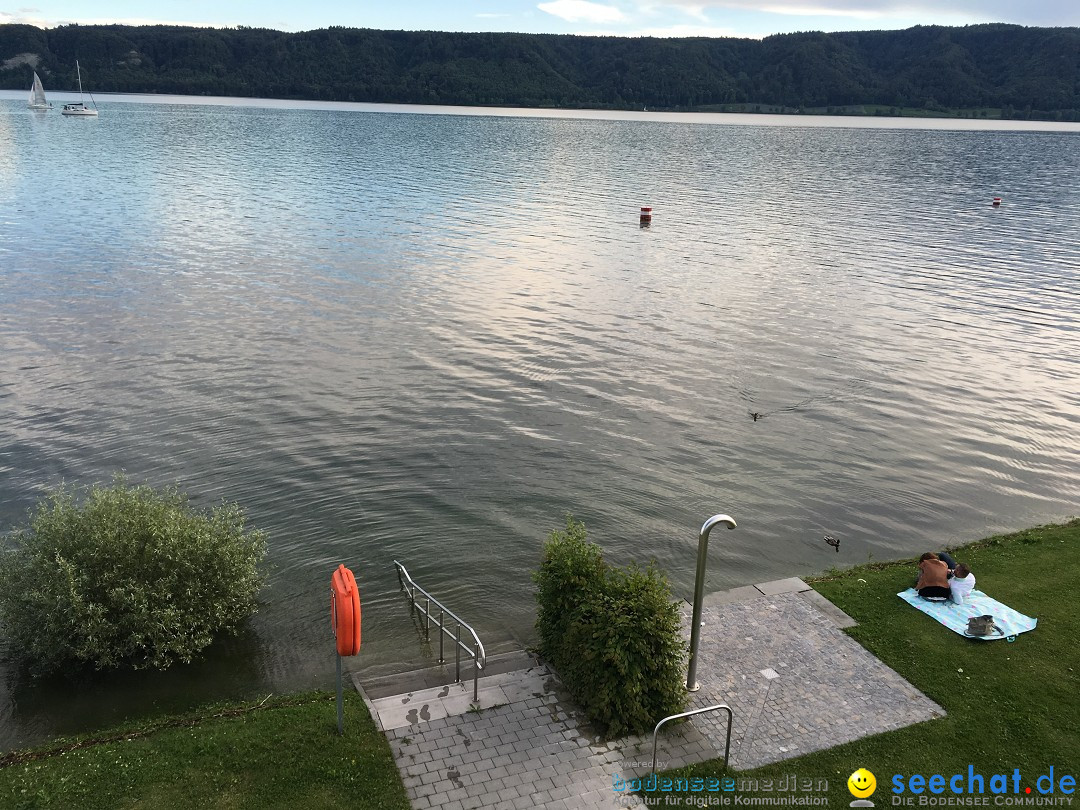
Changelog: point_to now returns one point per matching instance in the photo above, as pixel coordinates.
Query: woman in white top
(961, 583)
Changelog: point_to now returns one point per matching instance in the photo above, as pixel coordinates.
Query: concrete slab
(426, 705)
(433, 694)
(395, 714)
(533, 675)
(778, 586)
(827, 608)
(486, 698)
(734, 595)
(530, 685)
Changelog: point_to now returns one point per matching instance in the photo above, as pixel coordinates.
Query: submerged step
(441, 674)
(449, 700)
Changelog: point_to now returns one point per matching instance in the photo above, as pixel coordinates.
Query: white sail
(37, 95)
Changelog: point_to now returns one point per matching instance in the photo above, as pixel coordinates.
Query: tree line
(1033, 72)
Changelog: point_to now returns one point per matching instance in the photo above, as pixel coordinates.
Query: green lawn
(285, 753)
(1010, 705)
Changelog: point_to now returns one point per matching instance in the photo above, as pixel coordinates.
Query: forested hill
(1031, 71)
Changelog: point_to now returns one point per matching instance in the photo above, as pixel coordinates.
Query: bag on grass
(982, 626)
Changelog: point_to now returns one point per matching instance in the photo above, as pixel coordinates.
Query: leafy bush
(613, 635)
(131, 577)
(571, 569)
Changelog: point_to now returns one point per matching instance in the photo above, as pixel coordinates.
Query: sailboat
(37, 95)
(78, 108)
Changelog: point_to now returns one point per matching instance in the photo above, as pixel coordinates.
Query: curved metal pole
(692, 684)
(727, 745)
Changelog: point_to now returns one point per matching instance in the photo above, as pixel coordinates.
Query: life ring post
(345, 625)
(340, 702)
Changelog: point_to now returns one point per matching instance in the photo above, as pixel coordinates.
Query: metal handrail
(477, 652)
(727, 744)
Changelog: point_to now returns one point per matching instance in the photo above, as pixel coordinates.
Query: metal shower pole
(692, 684)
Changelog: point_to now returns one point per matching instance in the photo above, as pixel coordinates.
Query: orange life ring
(345, 611)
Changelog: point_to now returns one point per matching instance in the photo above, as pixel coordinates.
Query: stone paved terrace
(794, 681)
(524, 748)
(774, 652)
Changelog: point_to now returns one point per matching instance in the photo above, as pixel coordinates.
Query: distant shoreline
(807, 118)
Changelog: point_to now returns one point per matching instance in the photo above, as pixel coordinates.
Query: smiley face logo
(861, 783)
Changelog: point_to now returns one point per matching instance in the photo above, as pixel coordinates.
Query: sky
(661, 18)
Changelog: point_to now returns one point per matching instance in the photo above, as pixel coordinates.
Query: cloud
(1031, 12)
(862, 9)
(582, 11)
(23, 17)
(691, 31)
(142, 21)
(674, 32)
(695, 11)
(34, 16)
(41, 22)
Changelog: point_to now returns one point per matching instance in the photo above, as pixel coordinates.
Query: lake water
(427, 337)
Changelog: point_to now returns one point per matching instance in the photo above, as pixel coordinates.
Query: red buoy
(997, 200)
(646, 213)
(345, 611)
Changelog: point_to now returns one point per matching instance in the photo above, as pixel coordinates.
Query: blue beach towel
(955, 617)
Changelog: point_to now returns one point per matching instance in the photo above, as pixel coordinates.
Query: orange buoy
(345, 611)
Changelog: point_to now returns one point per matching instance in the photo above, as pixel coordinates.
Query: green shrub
(130, 577)
(571, 569)
(613, 635)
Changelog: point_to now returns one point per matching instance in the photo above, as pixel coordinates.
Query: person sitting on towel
(933, 577)
(961, 583)
(946, 558)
